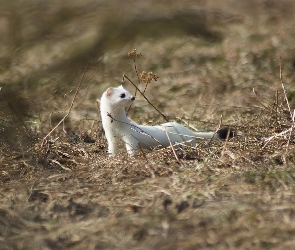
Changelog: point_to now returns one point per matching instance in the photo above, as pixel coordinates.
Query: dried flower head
(133, 54)
(148, 77)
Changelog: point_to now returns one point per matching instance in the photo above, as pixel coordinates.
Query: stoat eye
(122, 95)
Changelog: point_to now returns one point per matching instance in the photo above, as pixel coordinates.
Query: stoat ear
(109, 91)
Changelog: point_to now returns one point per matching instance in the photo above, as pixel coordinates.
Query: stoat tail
(206, 135)
(221, 134)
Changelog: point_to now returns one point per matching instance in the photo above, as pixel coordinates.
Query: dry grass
(65, 193)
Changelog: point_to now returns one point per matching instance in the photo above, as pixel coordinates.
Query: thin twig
(187, 124)
(277, 105)
(225, 143)
(290, 134)
(59, 164)
(263, 105)
(146, 98)
(219, 126)
(145, 87)
(283, 86)
(71, 106)
(228, 106)
(275, 136)
(291, 115)
(176, 157)
(135, 128)
(143, 153)
(135, 68)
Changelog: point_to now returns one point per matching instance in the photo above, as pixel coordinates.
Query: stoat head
(118, 97)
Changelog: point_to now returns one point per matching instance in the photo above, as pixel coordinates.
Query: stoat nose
(133, 98)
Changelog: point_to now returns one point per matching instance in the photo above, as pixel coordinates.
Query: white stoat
(118, 128)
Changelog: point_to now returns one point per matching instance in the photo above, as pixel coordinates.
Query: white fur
(118, 128)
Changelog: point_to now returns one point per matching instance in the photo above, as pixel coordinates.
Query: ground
(228, 64)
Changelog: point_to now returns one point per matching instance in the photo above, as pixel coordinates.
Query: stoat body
(118, 128)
